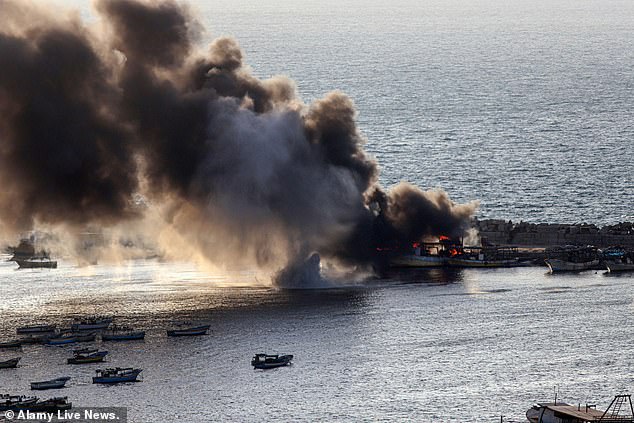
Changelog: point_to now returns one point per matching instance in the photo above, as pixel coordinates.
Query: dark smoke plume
(237, 167)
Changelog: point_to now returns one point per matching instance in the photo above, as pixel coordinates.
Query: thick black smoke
(90, 120)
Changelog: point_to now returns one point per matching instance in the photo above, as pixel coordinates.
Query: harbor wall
(503, 232)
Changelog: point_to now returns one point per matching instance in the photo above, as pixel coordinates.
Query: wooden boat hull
(96, 358)
(556, 265)
(123, 337)
(90, 326)
(10, 364)
(197, 331)
(264, 366)
(50, 384)
(418, 261)
(130, 377)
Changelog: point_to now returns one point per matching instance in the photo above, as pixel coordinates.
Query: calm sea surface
(427, 346)
(527, 106)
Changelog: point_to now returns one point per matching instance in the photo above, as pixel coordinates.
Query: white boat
(556, 265)
(58, 383)
(619, 410)
(572, 259)
(618, 259)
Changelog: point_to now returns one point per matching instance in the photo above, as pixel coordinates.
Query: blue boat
(117, 375)
(64, 340)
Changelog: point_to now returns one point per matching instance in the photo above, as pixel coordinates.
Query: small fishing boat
(267, 361)
(572, 259)
(89, 337)
(62, 340)
(35, 339)
(92, 323)
(49, 405)
(618, 259)
(58, 383)
(10, 344)
(14, 402)
(484, 257)
(35, 329)
(87, 355)
(117, 333)
(36, 263)
(10, 364)
(191, 331)
(116, 375)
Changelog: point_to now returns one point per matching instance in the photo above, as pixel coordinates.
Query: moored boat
(620, 410)
(116, 375)
(57, 383)
(572, 259)
(49, 405)
(618, 259)
(62, 340)
(10, 364)
(270, 361)
(117, 333)
(87, 355)
(92, 323)
(35, 329)
(191, 331)
(484, 257)
(13, 402)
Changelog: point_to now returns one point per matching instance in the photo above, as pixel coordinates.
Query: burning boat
(425, 254)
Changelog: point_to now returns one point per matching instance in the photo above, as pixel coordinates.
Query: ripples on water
(438, 345)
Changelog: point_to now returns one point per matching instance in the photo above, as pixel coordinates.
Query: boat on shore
(116, 375)
(572, 259)
(36, 263)
(270, 361)
(10, 364)
(116, 333)
(87, 355)
(30, 339)
(190, 331)
(57, 383)
(92, 323)
(35, 329)
(620, 410)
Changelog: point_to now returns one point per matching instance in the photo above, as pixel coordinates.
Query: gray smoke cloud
(240, 168)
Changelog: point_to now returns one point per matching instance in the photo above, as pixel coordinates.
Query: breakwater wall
(505, 232)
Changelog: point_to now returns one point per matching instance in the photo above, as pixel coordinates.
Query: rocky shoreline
(524, 234)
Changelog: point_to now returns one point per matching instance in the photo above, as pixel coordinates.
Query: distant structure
(502, 232)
